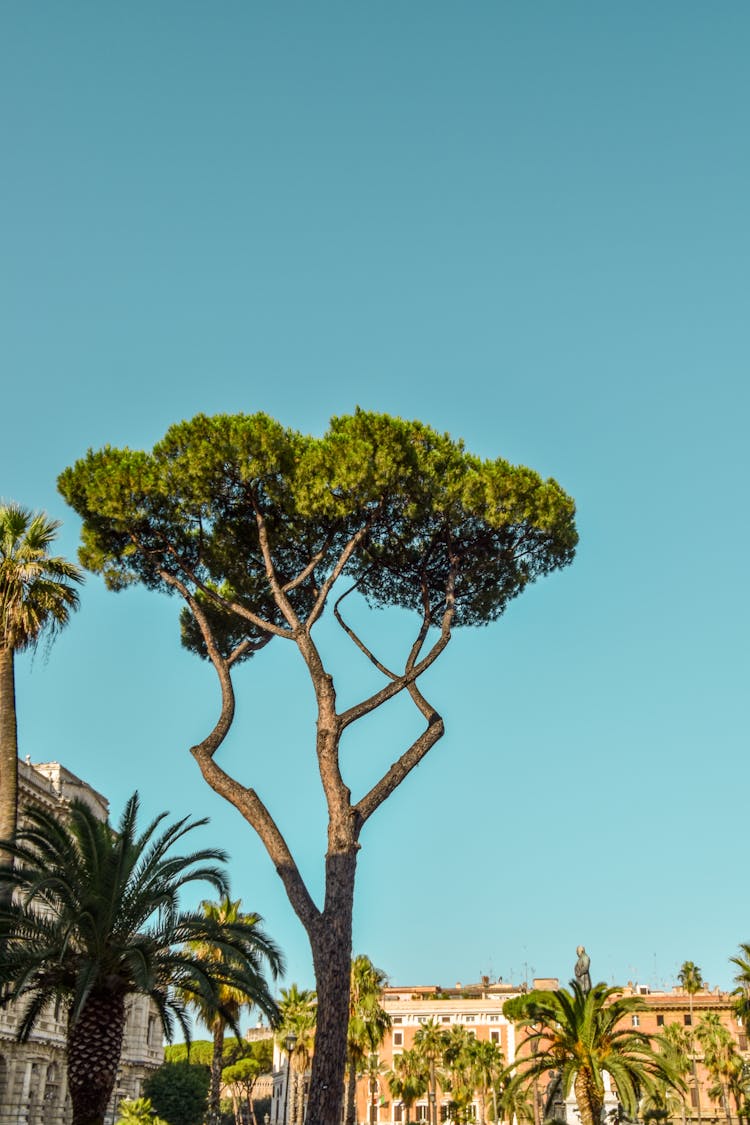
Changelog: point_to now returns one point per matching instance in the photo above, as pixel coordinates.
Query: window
(660, 1021)
(398, 1113)
(687, 1020)
(422, 1114)
(636, 1020)
(743, 1041)
(398, 1039)
(494, 1037)
(398, 1019)
(470, 1019)
(445, 1019)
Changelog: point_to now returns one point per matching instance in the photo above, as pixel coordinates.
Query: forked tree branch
(341, 562)
(245, 800)
(282, 601)
(356, 639)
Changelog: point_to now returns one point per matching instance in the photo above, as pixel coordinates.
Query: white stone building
(32, 1075)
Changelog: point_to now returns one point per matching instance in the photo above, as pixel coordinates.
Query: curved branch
(356, 639)
(341, 562)
(282, 601)
(245, 800)
(411, 674)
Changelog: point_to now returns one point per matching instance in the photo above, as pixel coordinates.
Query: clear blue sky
(524, 223)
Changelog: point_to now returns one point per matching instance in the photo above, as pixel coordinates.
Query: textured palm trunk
(588, 1100)
(8, 756)
(93, 1049)
(217, 1057)
(331, 942)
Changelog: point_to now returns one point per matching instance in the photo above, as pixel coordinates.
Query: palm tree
(577, 1034)
(368, 1023)
(96, 919)
(742, 980)
(409, 1079)
(297, 1020)
(430, 1042)
(458, 1059)
(720, 1056)
(251, 987)
(138, 1112)
(487, 1065)
(675, 1043)
(37, 596)
(691, 979)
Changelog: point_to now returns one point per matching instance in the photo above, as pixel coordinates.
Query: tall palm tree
(675, 1043)
(430, 1042)
(488, 1064)
(408, 1079)
(458, 1059)
(297, 1017)
(37, 595)
(259, 953)
(691, 979)
(577, 1034)
(720, 1056)
(368, 1023)
(95, 919)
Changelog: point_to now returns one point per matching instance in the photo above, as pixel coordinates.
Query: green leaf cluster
(179, 1092)
(420, 522)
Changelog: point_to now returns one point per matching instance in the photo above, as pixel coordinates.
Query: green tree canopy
(254, 526)
(179, 1092)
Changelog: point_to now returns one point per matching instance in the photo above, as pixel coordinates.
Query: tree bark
(8, 757)
(589, 1104)
(93, 1048)
(351, 1094)
(331, 942)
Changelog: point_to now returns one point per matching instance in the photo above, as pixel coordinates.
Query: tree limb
(245, 800)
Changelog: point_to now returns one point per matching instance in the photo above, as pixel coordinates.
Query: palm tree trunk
(8, 757)
(217, 1058)
(589, 1104)
(93, 1049)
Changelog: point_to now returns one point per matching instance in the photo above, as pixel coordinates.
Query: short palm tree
(577, 1034)
(297, 1018)
(368, 1023)
(138, 1112)
(37, 595)
(488, 1064)
(251, 987)
(95, 918)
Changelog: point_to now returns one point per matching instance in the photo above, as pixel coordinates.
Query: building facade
(32, 1075)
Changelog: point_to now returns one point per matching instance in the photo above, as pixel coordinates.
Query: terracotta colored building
(478, 1008)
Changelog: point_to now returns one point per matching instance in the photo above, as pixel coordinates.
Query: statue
(554, 1102)
(583, 978)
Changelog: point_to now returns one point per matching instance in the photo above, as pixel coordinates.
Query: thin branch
(245, 800)
(282, 601)
(356, 639)
(246, 646)
(411, 674)
(406, 763)
(307, 571)
(343, 559)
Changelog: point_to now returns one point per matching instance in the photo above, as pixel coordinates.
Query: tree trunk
(589, 1103)
(331, 943)
(351, 1094)
(8, 757)
(217, 1058)
(93, 1049)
